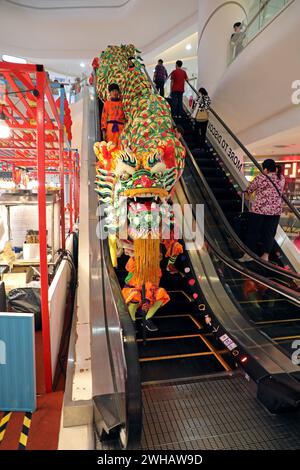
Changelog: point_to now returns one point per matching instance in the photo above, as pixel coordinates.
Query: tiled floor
(221, 413)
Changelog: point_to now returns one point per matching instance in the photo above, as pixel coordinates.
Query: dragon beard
(147, 260)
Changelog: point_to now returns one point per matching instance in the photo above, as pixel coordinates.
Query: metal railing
(266, 12)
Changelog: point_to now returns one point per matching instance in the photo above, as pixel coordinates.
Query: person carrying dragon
(113, 117)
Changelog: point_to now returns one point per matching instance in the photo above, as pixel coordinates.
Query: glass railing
(262, 12)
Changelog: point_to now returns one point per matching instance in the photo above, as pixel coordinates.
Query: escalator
(275, 316)
(185, 348)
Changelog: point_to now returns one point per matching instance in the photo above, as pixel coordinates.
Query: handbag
(199, 114)
(202, 115)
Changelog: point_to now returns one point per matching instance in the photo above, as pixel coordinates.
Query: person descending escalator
(113, 117)
(266, 209)
(200, 116)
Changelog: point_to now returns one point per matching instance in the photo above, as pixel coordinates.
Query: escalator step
(176, 346)
(218, 182)
(171, 325)
(179, 368)
(207, 163)
(211, 172)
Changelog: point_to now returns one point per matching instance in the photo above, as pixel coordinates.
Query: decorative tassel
(147, 260)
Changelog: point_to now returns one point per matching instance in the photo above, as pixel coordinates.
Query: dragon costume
(135, 181)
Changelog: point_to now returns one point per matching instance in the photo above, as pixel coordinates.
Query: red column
(62, 186)
(76, 180)
(71, 176)
(40, 83)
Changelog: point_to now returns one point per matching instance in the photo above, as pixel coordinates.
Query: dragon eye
(158, 174)
(125, 177)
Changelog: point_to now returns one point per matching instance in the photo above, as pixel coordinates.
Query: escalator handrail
(133, 396)
(229, 229)
(282, 290)
(240, 244)
(249, 155)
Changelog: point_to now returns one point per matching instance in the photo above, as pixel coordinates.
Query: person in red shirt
(178, 79)
(113, 117)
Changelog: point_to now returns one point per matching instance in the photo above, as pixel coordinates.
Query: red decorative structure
(37, 141)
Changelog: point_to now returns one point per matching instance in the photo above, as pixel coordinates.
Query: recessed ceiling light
(82, 64)
(15, 60)
(188, 47)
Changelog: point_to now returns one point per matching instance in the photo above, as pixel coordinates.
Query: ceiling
(176, 51)
(283, 143)
(63, 33)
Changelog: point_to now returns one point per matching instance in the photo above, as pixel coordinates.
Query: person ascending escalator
(200, 115)
(265, 210)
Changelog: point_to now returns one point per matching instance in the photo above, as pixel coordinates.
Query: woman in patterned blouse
(202, 103)
(266, 209)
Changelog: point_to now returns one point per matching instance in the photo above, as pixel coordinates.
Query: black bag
(26, 300)
(240, 225)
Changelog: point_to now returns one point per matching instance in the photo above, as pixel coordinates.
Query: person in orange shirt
(113, 117)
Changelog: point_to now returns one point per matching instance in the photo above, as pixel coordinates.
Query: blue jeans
(177, 105)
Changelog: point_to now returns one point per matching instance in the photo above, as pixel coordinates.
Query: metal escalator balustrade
(117, 403)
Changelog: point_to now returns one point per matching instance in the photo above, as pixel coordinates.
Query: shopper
(179, 132)
(178, 79)
(130, 63)
(237, 38)
(76, 87)
(266, 209)
(113, 117)
(160, 77)
(200, 115)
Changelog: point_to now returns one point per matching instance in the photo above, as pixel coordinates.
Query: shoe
(150, 326)
(171, 269)
(245, 259)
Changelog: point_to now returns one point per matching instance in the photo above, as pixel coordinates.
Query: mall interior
(149, 225)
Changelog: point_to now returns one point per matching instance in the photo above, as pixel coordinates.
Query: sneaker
(171, 269)
(150, 326)
(245, 259)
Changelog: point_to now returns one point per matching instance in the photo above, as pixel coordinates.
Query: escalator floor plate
(213, 414)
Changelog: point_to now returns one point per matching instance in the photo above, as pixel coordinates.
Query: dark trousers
(160, 86)
(200, 133)
(177, 105)
(261, 228)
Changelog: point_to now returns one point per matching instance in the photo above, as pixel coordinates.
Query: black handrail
(249, 155)
(282, 290)
(133, 395)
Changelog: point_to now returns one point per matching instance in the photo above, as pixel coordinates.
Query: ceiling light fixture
(188, 47)
(4, 127)
(82, 64)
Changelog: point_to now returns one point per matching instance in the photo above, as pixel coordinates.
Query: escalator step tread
(172, 347)
(179, 368)
(171, 325)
